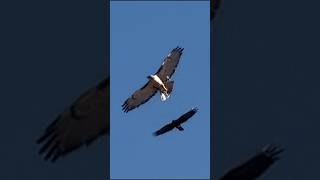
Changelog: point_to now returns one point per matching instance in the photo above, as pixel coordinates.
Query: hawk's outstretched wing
(84, 121)
(169, 64)
(139, 97)
(256, 166)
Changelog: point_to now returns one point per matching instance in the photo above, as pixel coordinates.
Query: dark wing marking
(214, 5)
(104, 84)
(82, 123)
(164, 129)
(169, 64)
(139, 97)
(169, 86)
(256, 166)
(187, 115)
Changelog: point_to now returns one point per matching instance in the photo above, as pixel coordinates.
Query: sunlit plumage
(160, 81)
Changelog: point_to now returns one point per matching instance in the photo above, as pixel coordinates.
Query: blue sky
(142, 34)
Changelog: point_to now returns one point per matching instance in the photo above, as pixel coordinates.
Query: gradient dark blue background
(266, 68)
(51, 52)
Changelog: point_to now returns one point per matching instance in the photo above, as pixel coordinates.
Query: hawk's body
(160, 81)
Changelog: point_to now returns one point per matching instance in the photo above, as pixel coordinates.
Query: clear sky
(142, 34)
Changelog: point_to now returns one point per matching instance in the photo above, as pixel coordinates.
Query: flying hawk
(84, 121)
(159, 81)
(176, 123)
(256, 166)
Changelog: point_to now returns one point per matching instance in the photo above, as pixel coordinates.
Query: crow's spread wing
(164, 129)
(187, 115)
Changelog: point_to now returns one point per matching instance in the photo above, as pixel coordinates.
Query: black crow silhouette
(160, 81)
(176, 123)
(83, 122)
(256, 166)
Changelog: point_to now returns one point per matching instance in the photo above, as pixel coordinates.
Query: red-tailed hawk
(84, 121)
(160, 81)
(256, 166)
(176, 123)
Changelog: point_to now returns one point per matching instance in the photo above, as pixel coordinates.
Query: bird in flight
(176, 123)
(80, 124)
(255, 166)
(160, 81)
